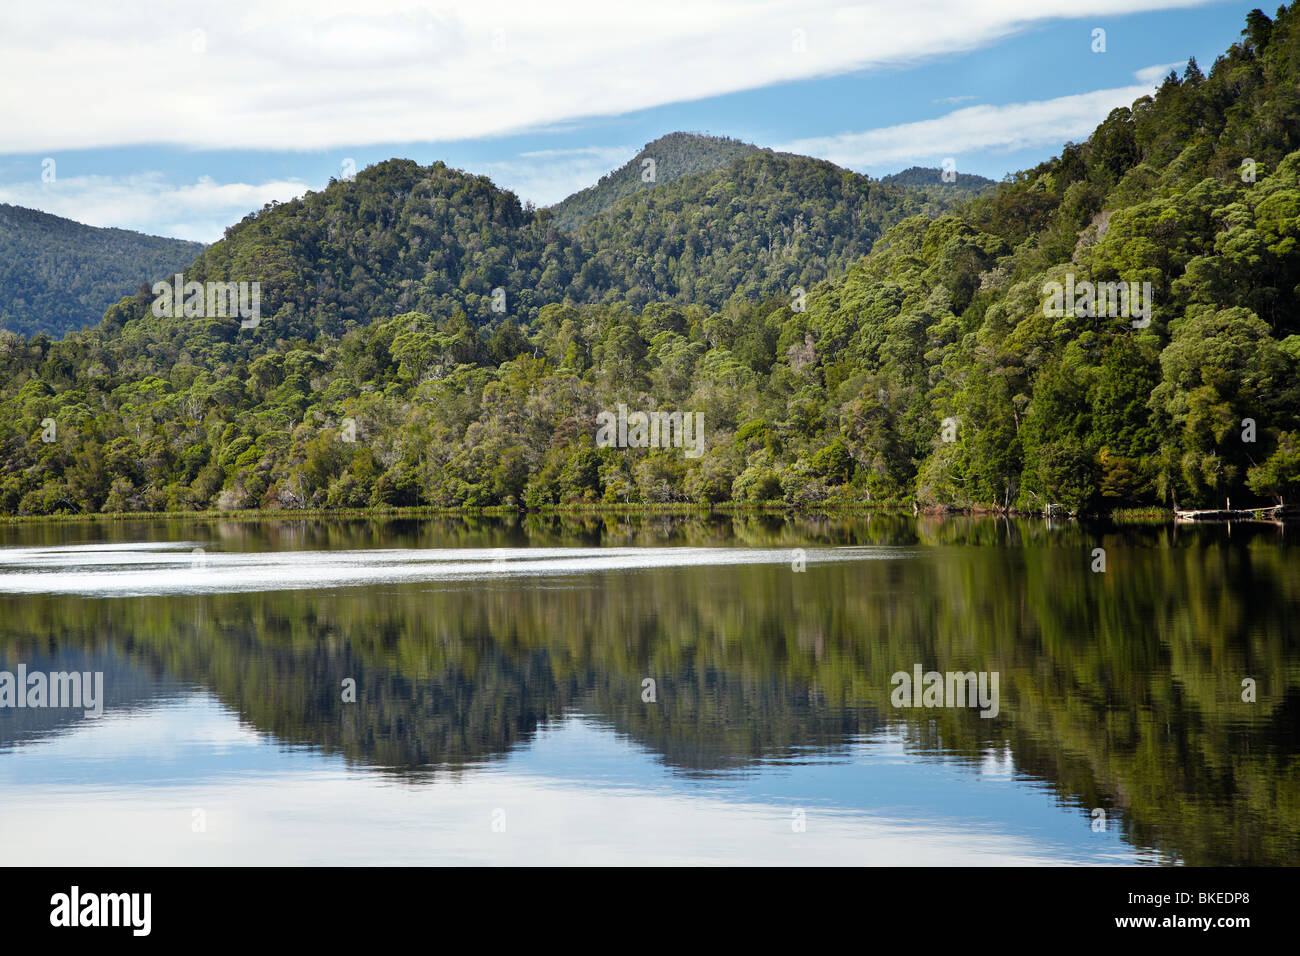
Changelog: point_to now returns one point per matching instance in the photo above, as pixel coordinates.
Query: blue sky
(178, 120)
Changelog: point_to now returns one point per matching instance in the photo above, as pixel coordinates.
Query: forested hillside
(933, 176)
(57, 275)
(766, 223)
(670, 157)
(935, 368)
(405, 238)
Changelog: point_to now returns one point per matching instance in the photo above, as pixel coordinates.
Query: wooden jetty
(1268, 513)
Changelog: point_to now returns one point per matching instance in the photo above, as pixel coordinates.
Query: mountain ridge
(57, 274)
(672, 155)
(933, 176)
(400, 237)
(605, 253)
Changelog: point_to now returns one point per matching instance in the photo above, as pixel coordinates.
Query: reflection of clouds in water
(578, 794)
(144, 568)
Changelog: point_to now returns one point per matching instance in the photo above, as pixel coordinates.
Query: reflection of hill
(713, 720)
(1121, 690)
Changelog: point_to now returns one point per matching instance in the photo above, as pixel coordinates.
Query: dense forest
(765, 224)
(405, 238)
(933, 176)
(58, 276)
(671, 157)
(931, 369)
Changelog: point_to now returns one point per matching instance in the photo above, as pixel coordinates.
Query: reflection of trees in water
(709, 720)
(1120, 690)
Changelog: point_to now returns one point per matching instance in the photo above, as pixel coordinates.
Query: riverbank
(683, 508)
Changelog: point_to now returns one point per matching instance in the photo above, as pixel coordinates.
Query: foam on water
(147, 568)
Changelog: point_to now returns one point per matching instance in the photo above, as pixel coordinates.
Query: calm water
(501, 672)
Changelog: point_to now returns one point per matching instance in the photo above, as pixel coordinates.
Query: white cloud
(201, 210)
(1155, 75)
(546, 176)
(985, 128)
(148, 202)
(315, 74)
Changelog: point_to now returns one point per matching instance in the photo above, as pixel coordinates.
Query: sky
(178, 119)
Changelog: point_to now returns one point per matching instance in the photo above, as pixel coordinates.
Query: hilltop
(660, 161)
(927, 176)
(401, 237)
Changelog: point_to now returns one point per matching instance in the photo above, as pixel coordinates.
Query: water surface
(501, 709)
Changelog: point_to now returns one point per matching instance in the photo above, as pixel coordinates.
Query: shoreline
(593, 510)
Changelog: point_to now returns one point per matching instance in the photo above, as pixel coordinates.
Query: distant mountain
(670, 157)
(399, 237)
(933, 176)
(405, 238)
(761, 225)
(57, 275)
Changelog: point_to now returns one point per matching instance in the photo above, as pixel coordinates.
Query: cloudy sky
(178, 119)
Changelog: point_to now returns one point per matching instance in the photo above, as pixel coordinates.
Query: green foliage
(1279, 476)
(674, 156)
(926, 177)
(767, 223)
(57, 275)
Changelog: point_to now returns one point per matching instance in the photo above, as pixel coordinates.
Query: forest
(920, 366)
(57, 275)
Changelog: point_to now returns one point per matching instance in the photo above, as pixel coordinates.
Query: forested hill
(942, 367)
(933, 176)
(663, 160)
(762, 225)
(401, 237)
(955, 378)
(57, 275)
(396, 238)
